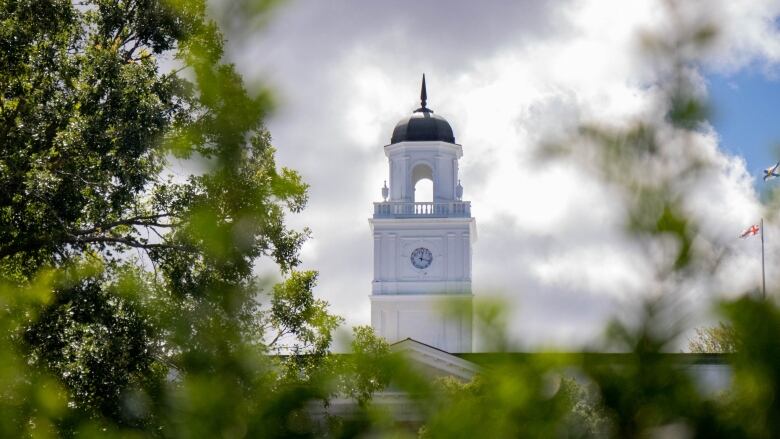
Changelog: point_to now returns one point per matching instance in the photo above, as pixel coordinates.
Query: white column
(378, 257)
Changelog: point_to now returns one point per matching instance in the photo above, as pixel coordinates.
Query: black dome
(423, 125)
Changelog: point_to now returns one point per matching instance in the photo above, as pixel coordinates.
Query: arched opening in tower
(422, 180)
(423, 191)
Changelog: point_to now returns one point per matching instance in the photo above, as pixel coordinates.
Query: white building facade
(422, 249)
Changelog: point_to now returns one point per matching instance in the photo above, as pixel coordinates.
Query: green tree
(152, 317)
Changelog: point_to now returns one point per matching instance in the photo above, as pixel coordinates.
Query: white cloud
(748, 33)
(507, 76)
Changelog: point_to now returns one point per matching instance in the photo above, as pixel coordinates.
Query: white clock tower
(422, 249)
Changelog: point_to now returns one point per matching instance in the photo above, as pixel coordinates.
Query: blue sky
(746, 115)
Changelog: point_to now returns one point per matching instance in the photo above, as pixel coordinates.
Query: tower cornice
(438, 146)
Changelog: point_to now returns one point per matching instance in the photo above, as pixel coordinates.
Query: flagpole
(763, 272)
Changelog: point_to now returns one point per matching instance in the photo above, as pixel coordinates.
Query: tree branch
(85, 236)
(279, 335)
(141, 220)
(128, 242)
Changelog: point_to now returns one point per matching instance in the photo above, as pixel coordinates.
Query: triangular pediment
(435, 362)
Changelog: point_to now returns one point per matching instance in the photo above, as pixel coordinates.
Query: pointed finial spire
(423, 99)
(423, 93)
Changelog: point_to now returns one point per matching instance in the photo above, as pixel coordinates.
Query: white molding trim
(437, 359)
(436, 145)
(418, 297)
(432, 223)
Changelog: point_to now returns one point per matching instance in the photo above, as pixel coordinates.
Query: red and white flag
(750, 231)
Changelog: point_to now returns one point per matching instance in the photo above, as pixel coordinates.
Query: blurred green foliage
(128, 306)
(128, 299)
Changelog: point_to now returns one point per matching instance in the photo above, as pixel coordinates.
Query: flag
(750, 231)
(772, 172)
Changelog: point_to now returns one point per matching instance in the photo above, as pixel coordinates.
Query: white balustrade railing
(402, 209)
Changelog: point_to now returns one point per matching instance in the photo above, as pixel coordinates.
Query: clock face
(421, 258)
